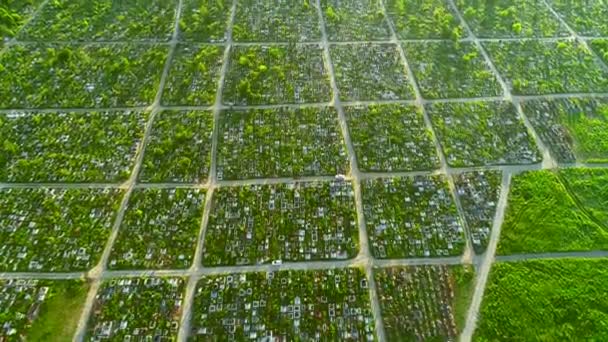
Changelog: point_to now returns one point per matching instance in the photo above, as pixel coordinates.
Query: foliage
(478, 192)
(179, 148)
(573, 129)
(283, 142)
(102, 20)
(14, 14)
(601, 47)
(411, 217)
(258, 224)
(412, 296)
(510, 18)
(588, 17)
(293, 305)
(143, 307)
(370, 72)
(276, 21)
(274, 74)
(55, 230)
(355, 20)
(204, 20)
(391, 138)
(545, 300)
(450, 70)
(40, 310)
(69, 147)
(536, 67)
(431, 19)
(589, 187)
(542, 216)
(482, 133)
(80, 76)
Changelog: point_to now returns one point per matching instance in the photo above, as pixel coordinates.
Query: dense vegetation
(415, 19)
(204, 20)
(548, 300)
(542, 216)
(590, 189)
(13, 14)
(355, 20)
(588, 17)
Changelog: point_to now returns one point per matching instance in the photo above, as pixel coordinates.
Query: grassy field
(543, 217)
(464, 284)
(548, 300)
(590, 187)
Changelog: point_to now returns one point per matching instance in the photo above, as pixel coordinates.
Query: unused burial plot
(411, 217)
(587, 18)
(179, 148)
(573, 129)
(80, 76)
(478, 192)
(102, 20)
(424, 303)
(69, 147)
(55, 230)
(258, 224)
(433, 19)
(482, 133)
(160, 229)
(283, 142)
(391, 138)
(141, 309)
(370, 72)
(347, 20)
(542, 217)
(275, 75)
(193, 76)
(204, 20)
(552, 300)
(534, 67)
(589, 187)
(16, 13)
(511, 19)
(40, 310)
(451, 70)
(287, 305)
(276, 21)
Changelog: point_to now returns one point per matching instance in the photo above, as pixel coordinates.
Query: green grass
(590, 132)
(548, 300)
(464, 284)
(60, 313)
(542, 217)
(590, 187)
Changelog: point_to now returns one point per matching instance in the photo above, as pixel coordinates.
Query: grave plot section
(587, 18)
(17, 13)
(55, 230)
(193, 76)
(482, 133)
(40, 310)
(282, 142)
(370, 72)
(204, 20)
(80, 76)
(600, 46)
(260, 224)
(287, 305)
(573, 129)
(450, 70)
(102, 20)
(478, 192)
(143, 309)
(355, 20)
(179, 148)
(542, 216)
(276, 75)
(424, 303)
(433, 19)
(533, 67)
(160, 229)
(389, 138)
(561, 299)
(276, 21)
(69, 147)
(511, 19)
(589, 187)
(411, 217)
